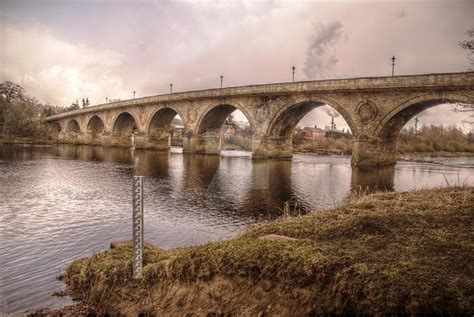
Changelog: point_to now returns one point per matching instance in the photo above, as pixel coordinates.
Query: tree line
(430, 140)
(21, 114)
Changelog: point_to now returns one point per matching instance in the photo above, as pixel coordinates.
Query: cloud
(56, 71)
(320, 56)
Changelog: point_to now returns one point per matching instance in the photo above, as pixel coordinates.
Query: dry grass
(323, 145)
(382, 253)
(434, 139)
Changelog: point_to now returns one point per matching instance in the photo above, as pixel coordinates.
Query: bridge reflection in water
(260, 186)
(376, 178)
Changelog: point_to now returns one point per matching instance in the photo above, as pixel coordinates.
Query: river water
(58, 203)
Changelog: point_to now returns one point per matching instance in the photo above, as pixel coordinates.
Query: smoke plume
(330, 111)
(320, 59)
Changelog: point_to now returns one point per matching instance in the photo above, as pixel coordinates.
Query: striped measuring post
(137, 227)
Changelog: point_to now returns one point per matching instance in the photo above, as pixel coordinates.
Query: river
(62, 202)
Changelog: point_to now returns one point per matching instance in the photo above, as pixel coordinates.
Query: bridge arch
(73, 126)
(390, 126)
(161, 119)
(285, 120)
(158, 127)
(213, 118)
(123, 128)
(95, 125)
(53, 130)
(94, 129)
(124, 123)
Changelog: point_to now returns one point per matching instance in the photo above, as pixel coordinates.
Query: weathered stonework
(374, 108)
(367, 111)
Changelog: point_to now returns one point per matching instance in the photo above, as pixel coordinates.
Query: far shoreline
(405, 156)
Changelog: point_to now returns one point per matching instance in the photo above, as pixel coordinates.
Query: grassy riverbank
(407, 252)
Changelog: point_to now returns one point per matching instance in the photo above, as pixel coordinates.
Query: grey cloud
(319, 60)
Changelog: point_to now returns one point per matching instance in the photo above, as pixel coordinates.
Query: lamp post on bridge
(222, 78)
(171, 88)
(134, 94)
(393, 65)
(293, 69)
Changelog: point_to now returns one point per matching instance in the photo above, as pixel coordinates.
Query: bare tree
(468, 45)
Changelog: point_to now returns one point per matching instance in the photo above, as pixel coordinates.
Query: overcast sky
(63, 50)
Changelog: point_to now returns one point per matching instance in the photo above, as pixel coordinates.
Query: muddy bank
(385, 253)
(80, 309)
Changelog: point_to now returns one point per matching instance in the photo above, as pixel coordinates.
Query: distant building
(228, 130)
(232, 129)
(312, 133)
(177, 131)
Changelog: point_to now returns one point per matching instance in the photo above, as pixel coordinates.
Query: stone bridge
(374, 108)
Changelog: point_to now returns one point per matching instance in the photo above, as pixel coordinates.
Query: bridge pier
(92, 139)
(122, 140)
(72, 138)
(160, 141)
(61, 136)
(272, 147)
(139, 140)
(373, 152)
(106, 139)
(208, 143)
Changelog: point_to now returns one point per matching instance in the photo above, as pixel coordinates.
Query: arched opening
(177, 131)
(53, 130)
(73, 131)
(165, 129)
(310, 126)
(73, 127)
(224, 127)
(123, 130)
(95, 128)
(433, 126)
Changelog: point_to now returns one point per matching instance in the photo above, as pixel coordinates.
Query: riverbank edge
(384, 253)
(26, 141)
(406, 156)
